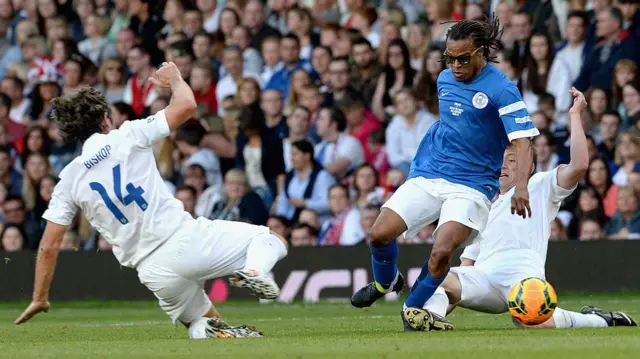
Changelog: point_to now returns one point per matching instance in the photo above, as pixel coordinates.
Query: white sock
(567, 319)
(197, 328)
(264, 252)
(438, 303)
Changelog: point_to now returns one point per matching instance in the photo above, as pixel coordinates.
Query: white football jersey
(509, 238)
(116, 184)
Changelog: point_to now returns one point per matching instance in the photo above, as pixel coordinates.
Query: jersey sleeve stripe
(532, 132)
(512, 108)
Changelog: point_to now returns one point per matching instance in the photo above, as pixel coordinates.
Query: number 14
(134, 195)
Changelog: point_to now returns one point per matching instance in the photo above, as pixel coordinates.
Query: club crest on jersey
(480, 100)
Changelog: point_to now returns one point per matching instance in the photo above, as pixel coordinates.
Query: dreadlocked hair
(483, 33)
(79, 114)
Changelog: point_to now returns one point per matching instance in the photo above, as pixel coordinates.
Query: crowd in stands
(310, 111)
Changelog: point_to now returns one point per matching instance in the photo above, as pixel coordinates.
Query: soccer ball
(532, 301)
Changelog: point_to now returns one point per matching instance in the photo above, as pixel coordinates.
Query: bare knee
(387, 227)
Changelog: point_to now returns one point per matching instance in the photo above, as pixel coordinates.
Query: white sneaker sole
(262, 286)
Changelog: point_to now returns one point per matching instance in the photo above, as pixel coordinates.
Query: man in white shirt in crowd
(210, 13)
(233, 63)
(406, 130)
(572, 52)
(338, 152)
(188, 139)
(512, 248)
(116, 184)
(271, 56)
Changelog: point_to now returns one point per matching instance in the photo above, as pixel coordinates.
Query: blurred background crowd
(310, 111)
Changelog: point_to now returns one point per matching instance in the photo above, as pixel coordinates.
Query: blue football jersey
(477, 120)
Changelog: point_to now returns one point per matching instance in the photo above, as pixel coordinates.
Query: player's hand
(166, 75)
(33, 309)
(579, 101)
(520, 202)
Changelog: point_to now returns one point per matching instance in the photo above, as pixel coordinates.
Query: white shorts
(421, 201)
(203, 250)
(486, 290)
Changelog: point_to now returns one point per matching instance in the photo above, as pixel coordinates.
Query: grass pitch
(323, 330)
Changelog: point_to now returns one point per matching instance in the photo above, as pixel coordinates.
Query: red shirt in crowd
(362, 133)
(16, 133)
(208, 98)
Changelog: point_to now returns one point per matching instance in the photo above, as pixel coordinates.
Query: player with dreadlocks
(454, 175)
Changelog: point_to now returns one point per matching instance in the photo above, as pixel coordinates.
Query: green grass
(323, 330)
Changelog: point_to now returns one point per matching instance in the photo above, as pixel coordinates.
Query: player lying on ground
(455, 171)
(116, 183)
(513, 248)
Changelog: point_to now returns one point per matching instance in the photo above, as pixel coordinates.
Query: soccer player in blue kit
(454, 175)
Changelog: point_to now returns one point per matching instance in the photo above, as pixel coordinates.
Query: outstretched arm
(45, 266)
(182, 104)
(571, 174)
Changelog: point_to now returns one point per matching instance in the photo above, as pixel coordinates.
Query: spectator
(271, 55)
(121, 112)
(14, 88)
(339, 153)
(204, 89)
(609, 127)
(15, 214)
(425, 87)
(599, 178)
(306, 185)
(113, 79)
(241, 37)
(36, 167)
(259, 153)
(298, 128)
(540, 67)
(13, 239)
(368, 216)
(627, 155)
(521, 29)
(120, 19)
(590, 204)
(96, 47)
(311, 99)
(126, 39)
(363, 21)
(279, 225)
(192, 21)
(597, 106)
(406, 130)
(210, 14)
(340, 79)
(344, 227)
(397, 74)
(545, 152)
(15, 130)
(634, 178)
(9, 177)
(558, 231)
(439, 13)
(300, 23)
(229, 20)
(233, 63)
(369, 68)
(366, 187)
(238, 203)
(187, 195)
(574, 50)
(377, 148)
(290, 54)
(202, 47)
(139, 93)
(24, 30)
(631, 102)
(360, 121)
(321, 58)
(591, 230)
(254, 20)
(146, 24)
(43, 192)
(504, 64)
(599, 65)
(188, 139)
(74, 70)
(624, 72)
(417, 41)
(299, 80)
(310, 217)
(303, 235)
(625, 224)
(271, 105)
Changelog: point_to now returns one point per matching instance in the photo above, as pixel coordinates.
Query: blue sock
(384, 263)
(424, 289)
(422, 276)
